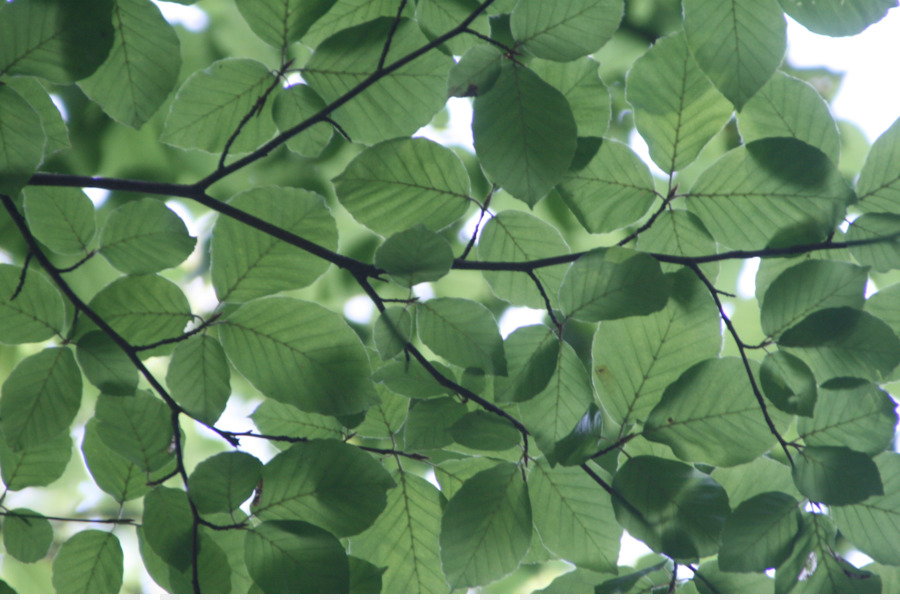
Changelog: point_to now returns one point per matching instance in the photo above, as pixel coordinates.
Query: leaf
(836, 475)
(414, 256)
(137, 427)
(486, 527)
(293, 106)
(113, 473)
(365, 578)
(710, 579)
(223, 481)
(198, 377)
(327, 483)
(35, 314)
(409, 378)
(391, 186)
(392, 331)
(852, 413)
(462, 331)
(475, 72)
(292, 556)
(395, 105)
(280, 22)
(580, 83)
(613, 283)
(625, 583)
(760, 533)
(37, 465)
(145, 236)
(567, 29)
(524, 132)
(142, 67)
(676, 108)
(89, 562)
(40, 398)
(312, 359)
(807, 287)
(428, 423)
(836, 18)
(738, 44)
(776, 190)
(61, 218)
(404, 538)
(789, 107)
(59, 41)
(581, 443)
(883, 256)
(481, 430)
(886, 306)
(515, 236)
(788, 383)
(217, 571)
(437, 17)
(21, 138)
(56, 130)
(872, 525)
(636, 358)
(574, 523)
(759, 476)
(210, 105)
(878, 186)
(672, 507)
(531, 354)
(275, 418)
(386, 419)
(105, 364)
(680, 233)
(167, 525)
(27, 535)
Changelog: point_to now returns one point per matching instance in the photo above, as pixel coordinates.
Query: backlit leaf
(27, 535)
(835, 17)
(414, 256)
(878, 187)
(222, 482)
(21, 139)
(836, 475)
(280, 22)
(89, 562)
(462, 331)
(35, 314)
(145, 236)
(760, 533)
(113, 473)
(61, 218)
(567, 29)
(138, 427)
(198, 377)
(36, 465)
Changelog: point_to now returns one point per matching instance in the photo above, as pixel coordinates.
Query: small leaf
(760, 533)
(56, 130)
(484, 431)
(580, 83)
(222, 482)
(428, 423)
(61, 218)
(27, 535)
(837, 18)
(138, 427)
(35, 314)
(437, 17)
(409, 378)
(882, 256)
(788, 383)
(582, 442)
(198, 377)
(276, 418)
(393, 329)
(462, 331)
(836, 475)
(113, 473)
(293, 106)
(745, 481)
(567, 29)
(21, 136)
(414, 256)
(145, 236)
(36, 465)
(531, 354)
(475, 72)
(89, 562)
(280, 22)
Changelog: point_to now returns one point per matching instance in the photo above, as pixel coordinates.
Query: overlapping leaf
(878, 187)
(462, 331)
(835, 17)
(61, 218)
(21, 141)
(145, 236)
(567, 29)
(137, 427)
(585, 92)
(89, 562)
(760, 533)
(198, 377)
(280, 22)
(36, 465)
(35, 313)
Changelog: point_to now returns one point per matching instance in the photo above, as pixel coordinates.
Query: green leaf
(275, 418)
(836, 475)
(113, 473)
(167, 524)
(711, 580)
(789, 107)
(394, 185)
(878, 186)
(137, 427)
(27, 537)
(385, 419)
(585, 92)
(676, 108)
(619, 585)
(105, 364)
(772, 189)
(788, 383)
(837, 18)
(574, 522)
(437, 17)
(531, 354)
(198, 377)
(56, 130)
(409, 378)
(365, 578)
(872, 524)
(59, 41)
(280, 22)
(61, 218)
(293, 106)
(327, 483)
(672, 507)
(347, 13)
(613, 283)
(745, 481)
(738, 44)
(415, 255)
(211, 104)
(21, 138)
(40, 398)
(393, 329)
(807, 287)
(515, 236)
(287, 557)
(462, 331)
(142, 67)
(760, 533)
(886, 306)
(524, 132)
(223, 481)
(567, 29)
(36, 465)
(843, 342)
(397, 104)
(680, 233)
(89, 562)
(658, 346)
(882, 256)
(428, 423)
(313, 360)
(404, 538)
(486, 528)
(475, 72)
(481, 430)
(852, 413)
(35, 314)
(582, 442)
(218, 571)
(145, 236)
(144, 309)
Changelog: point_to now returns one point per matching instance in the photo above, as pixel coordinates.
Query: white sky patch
(746, 283)
(189, 17)
(423, 291)
(640, 147)
(519, 316)
(459, 128)
(468, 228)
(97, 196)
(631, 549)
(359, 309)
(871, 289)
(61, 107)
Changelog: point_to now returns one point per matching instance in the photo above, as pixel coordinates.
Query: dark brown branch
(114, 521)
(390, 36)
(298, 440)
(484, 208)
(546, 298)
(178, 338)
(650, 221)
(22, 277)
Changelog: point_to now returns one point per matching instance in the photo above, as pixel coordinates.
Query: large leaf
(167, 525)
(788, 383)
(836, 17)
(27, 535)
(428, 423)
(739, 43)
(145, 236)
(486, 528)
(36, 465)
(61, 218)
(525, 133)
(404, 538)
(878, 187)
(762, 475)
(142, 67)
(280, 22)
(462, 331)
(437, 17)
(327, 483)
(852, 413)
(299, 353)
(113, 473)
(137, 427)
(198, 377)
(760, 533)
(222, 482)
(397, 104)
(482, 430)
(580, 83)
(105, 364)
(776, 190)
(414, 256)
(676, 108)
(566, 29)
(882, 256)
(21, 140)
(36, 94)
(40, 398)
(680, 233)
(89, 562)
(275, 418)
(836, 475)
(35, 314)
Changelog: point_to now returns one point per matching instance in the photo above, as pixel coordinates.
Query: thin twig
(114, 521)
(21, 283)
(179, 338)
(546, 298)
(86, 258)
(650, 221)
(390, 36)
(484, 208)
